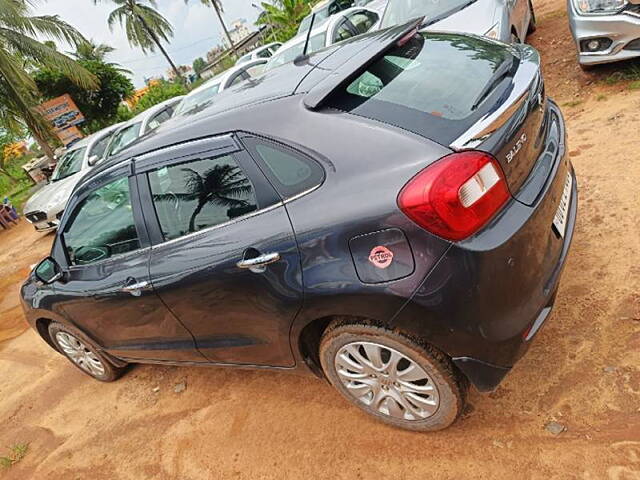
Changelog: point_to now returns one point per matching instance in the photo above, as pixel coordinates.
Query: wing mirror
(48, 271)
(93, 159)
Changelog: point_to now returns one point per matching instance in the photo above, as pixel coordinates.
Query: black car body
(339, 237)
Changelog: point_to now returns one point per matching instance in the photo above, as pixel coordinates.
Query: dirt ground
(582, 372)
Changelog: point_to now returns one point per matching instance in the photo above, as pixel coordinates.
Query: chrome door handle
(135, 289)
(259, 264)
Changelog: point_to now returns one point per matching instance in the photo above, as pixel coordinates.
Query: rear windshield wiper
(505, 69)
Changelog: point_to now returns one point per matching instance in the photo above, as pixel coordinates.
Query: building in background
(239, 31)
(185, 70)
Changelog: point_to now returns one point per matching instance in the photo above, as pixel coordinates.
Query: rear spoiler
(349, 69)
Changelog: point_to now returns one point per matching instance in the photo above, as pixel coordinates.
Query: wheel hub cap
(80, 354)
(386, 381)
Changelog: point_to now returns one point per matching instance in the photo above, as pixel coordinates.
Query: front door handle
(259, 264)
(135, 288)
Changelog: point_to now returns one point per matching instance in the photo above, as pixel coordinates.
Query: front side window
(70, 164)
(195, 195)
(342, 32)
(124, 138)
(102, 225)
(266, 53)
(363, 21)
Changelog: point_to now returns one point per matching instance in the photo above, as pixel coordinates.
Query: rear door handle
(135, 288)
(259, 264)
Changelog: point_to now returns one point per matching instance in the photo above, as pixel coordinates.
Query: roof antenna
(303, 56)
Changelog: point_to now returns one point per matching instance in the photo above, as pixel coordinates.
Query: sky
(196, 30)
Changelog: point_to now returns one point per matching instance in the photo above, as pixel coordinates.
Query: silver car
(605, 30)
(141, 124)
(265, 51)
(45, 207)
(507, 20)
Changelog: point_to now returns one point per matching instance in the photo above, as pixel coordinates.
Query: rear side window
(159, 119)
(363, 21)
(289, 171)
(436, 85)
(202, 193)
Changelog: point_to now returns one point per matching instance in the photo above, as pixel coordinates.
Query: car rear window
(436, 85)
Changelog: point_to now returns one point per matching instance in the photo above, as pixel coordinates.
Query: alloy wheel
(80, 354)
(387, 381)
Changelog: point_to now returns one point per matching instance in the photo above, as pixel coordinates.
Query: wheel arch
(42, 327)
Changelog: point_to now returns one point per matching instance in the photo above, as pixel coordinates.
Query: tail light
(456, 196)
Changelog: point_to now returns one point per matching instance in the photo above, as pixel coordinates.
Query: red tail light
(456, 196)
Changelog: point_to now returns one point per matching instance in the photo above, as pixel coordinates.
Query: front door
(225, 262)
(107, 291)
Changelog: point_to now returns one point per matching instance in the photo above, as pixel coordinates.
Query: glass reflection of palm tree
(223, 185)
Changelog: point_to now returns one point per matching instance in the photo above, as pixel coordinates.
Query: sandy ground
(583, 370)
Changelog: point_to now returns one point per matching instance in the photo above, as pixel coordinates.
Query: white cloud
(196, 30)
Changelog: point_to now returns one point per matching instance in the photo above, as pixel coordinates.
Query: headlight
(599, 7)
(494, 32)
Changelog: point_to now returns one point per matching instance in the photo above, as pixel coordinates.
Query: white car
(340, 26)
(204, 94)
(46, 206)
(141, 124)
(266, 52)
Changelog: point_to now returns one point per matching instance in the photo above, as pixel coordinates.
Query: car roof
(315, 77)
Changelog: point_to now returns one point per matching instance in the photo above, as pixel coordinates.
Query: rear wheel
(81, 352)
(392, 377)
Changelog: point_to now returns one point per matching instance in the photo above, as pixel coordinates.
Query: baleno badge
(381, 257)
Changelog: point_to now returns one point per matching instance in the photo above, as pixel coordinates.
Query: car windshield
(69, 164)
(401, 11)
(124, 137)
(288, 55)
(198, 99)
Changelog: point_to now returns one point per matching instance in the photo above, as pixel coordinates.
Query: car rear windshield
(435, 85)
(401, 11)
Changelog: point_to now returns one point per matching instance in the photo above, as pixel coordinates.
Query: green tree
(284, 17)
(144, 26)
(98, 105)
(159, 93)
(19, 49)
(217, 7)
(198, 65)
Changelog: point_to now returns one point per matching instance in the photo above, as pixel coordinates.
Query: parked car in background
(605, 31)
(324, 10)
(393, 214)
(266, 51)
(205, 93)
(507, 20)
(341, 26)
(142, 124)
(45, 207)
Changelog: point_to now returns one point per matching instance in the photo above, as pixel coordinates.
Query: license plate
(560, 219)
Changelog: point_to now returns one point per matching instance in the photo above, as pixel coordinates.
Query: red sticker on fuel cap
(381, 257)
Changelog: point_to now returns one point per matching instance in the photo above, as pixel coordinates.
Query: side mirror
(48, 271)
(93, 159)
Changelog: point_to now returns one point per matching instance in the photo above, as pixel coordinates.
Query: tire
(82, 353)
(533, 26)
(430, 394)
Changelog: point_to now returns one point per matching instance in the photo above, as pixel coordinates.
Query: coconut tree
(217, 7)
(19, 52)
(90, 50)
(283, 17)
(144, 26)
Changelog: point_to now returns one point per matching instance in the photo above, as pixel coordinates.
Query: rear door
(224, 258)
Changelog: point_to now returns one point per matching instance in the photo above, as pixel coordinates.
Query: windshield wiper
(503, 70)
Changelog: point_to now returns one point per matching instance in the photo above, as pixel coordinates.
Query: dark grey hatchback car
(392, 214)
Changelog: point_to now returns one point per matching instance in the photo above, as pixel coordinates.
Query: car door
(224, 258)
(106, 290)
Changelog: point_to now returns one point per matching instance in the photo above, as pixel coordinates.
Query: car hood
(477, 18)
(52, 195)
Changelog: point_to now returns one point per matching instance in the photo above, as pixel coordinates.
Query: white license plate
(560, 219)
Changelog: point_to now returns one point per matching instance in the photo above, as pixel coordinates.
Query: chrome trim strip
(302, 194)
(190, 143)
(216, 227)
(114, 258)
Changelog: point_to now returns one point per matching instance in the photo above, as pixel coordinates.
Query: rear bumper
(621, 28)
(488, 296)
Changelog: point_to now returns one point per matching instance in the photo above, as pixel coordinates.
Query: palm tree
(283, 17)
(145, 27)
(19, 51)
(92, 51)
(218, 186)
(217, 6)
